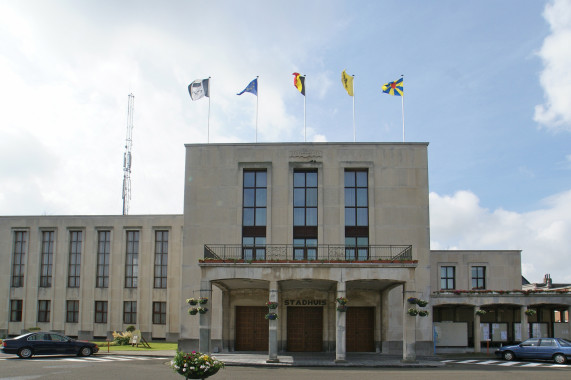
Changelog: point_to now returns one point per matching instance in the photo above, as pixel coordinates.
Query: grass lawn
(155, 346)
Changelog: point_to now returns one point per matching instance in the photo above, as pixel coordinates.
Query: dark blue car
(47, 343)
(556, 349)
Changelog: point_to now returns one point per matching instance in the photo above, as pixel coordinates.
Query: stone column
(341, 321)
(408, 325)
(273, 326)
(477, 331)
(205, 320)
(524, 323)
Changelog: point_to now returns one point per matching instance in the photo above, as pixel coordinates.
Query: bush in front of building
(122, 339)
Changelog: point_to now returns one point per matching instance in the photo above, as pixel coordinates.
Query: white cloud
(459, 222)
(555, 79)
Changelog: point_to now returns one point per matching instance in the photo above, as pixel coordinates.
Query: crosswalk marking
(506, 364)
(92, 359)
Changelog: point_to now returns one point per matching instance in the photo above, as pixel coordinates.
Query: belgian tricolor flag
(299, 82)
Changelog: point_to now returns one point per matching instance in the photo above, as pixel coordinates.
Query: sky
(487, 84)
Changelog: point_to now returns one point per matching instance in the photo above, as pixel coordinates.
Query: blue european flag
(252, 87)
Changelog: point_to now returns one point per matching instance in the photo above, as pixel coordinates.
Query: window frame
(72, 311)
(447, 278)
(132, 258)
(16, 310)
(478, 281)
(130, 312)
(159, 313)
(254, 234)
(100, 311)
(74, 263)
(161, 259)
(44, 307)
(19, 251)
(47, 258)
(103, 258)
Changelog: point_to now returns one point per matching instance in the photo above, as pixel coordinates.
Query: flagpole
(304, 117)
(257, 100)
(209, 95)
(402, 102)
(354, 130)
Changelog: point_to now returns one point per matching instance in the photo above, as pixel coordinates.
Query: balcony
(317, 253)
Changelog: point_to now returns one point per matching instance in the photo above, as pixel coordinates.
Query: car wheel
(85, 351)
(25, 353)
(508, 355)
(559, 358)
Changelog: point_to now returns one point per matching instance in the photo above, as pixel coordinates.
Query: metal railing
(290, 252)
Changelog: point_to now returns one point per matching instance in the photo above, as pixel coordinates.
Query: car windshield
(564, 343)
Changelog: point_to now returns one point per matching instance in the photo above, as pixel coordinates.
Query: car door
(528, 349)
(40, 343)
(61, 344)
(546, 348)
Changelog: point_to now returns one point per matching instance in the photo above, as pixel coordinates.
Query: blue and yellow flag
(394, 88)
(252, 88)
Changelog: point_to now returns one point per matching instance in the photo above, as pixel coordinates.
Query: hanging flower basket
(412, 311)
(193, 311)
(272, 305)
(421, 303)
(272, 316)
(423, 313)
(203, 300)
(481, 312)
(342, 300)
(202, 310)
(192, 301)
(530, 312)
(195, 365)
(342, 308)
(412, 300)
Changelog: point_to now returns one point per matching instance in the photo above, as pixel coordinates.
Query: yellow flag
(347, 81)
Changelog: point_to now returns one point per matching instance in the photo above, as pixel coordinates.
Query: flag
(252, 87)
(394, 88)
(347, 81)
(199, 89)
(299, 82)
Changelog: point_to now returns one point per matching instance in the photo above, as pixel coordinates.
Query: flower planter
(272, 316)
(195, 365)
(530, 312)
(481, 312)
(202, 310)
(272, 305)
(192, 301)
(342, 300)
(421, 303)
(412, 300)
(193, 311)
(423, 313)
(342, 308)
(412, 312)
(203, 300)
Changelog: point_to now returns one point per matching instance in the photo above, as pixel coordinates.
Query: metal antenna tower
(127, 156)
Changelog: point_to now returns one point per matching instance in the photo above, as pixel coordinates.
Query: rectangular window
(103, 253)
(19, 256)
(43, 311)
(72, 311)
(159, 313)
(356, 183)
(132, 259)
(254, 216)
(100, 311)
(447, 278)
(161, 258)
(305, 215)
(47, 259)
(130, 312)
(478, 277)
(74, 268)
(15, 310)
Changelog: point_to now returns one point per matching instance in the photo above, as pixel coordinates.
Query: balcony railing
(289, 252)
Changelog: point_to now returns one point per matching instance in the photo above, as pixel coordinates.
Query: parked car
(556, 349)
(47, 343)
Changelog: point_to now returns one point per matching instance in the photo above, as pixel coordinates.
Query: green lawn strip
(155, 346)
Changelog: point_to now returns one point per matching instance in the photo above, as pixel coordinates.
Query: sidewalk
(313, 359)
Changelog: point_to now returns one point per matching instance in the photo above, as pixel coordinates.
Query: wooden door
(305, 329)
(251, 328)
(360, 333)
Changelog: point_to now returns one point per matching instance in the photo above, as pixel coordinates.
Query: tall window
(130, 312)
(47, 259)
(15, 310)
(447, 277)
(159, 313)
(132, 259)
(305, 214)
(100, 311)
(18, 262)
(75, 239)
(254, 219)
(161, 258)
(43, 311)
(356, 214)
(103, 253)
(478, 277)
(72, 311)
